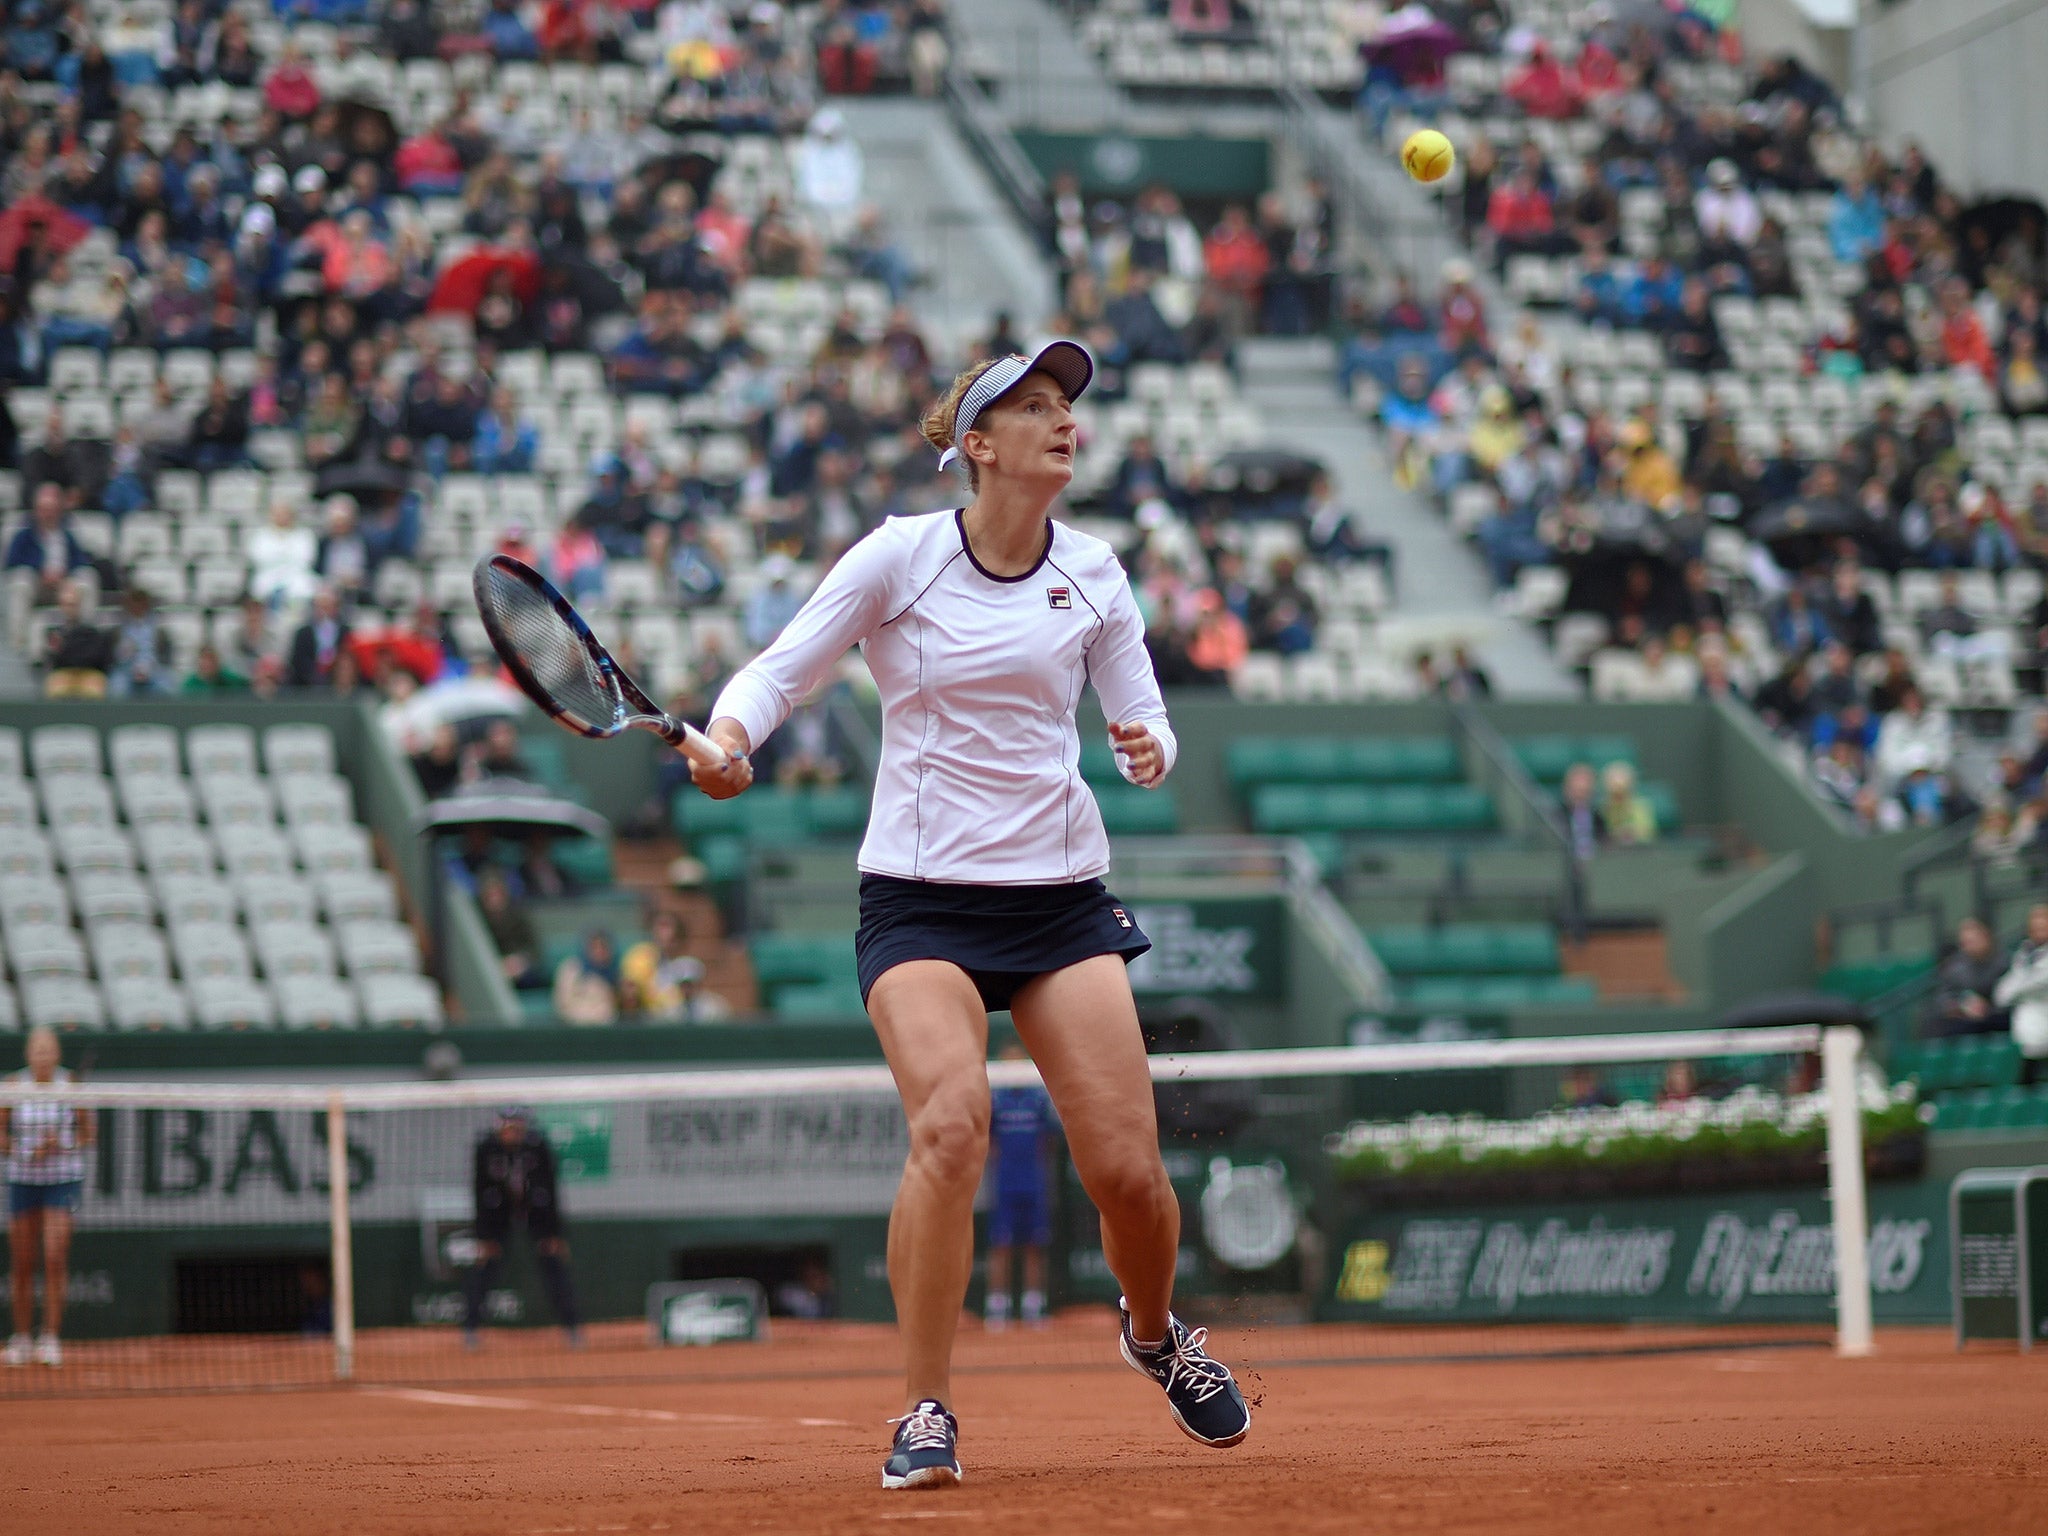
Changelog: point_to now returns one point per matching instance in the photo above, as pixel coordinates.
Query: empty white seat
(347, 895)
(237, 802)
(255, 850)
(298, 749)
(18, 804)
(113, 896)
(169, 849)
(147, 750)
(293, 949)
(398, 1001)
(62, 1002)
(25, 854)
(87, 849)
(327, 847)
(77, 801)
(221, 749)
(374, 946)
(56, 750)
(147, 1002)
(129, 950)
(315, 1002)
(209, 949)
(317, 800)
(46, 949)
(156, 801)
(231, 1002)
(33, 902)
(275, 899)
(12, 760)
(196, 898)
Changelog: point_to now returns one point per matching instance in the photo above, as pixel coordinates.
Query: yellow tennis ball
(1428, 156)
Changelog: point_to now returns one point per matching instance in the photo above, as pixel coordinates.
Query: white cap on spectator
(1066, 361)
(271, 181)
(310, 179)
(258, 219)
(1721, 172)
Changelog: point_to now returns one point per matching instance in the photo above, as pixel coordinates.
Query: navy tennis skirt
(1001, 935)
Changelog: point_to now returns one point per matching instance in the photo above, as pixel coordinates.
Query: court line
(588, 1410)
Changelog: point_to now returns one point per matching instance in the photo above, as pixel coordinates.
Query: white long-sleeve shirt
(980, 778)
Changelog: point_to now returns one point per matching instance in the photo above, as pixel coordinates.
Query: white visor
(1067, 361)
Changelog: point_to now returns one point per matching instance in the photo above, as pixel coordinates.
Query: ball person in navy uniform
(514, 1180)
(43, 1143)
(981, 873)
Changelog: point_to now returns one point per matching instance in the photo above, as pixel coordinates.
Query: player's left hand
(1141, 752)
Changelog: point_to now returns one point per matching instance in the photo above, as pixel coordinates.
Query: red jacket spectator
(1544, 88)
(291, 90)
(1234, 256)
(428, 163)
(1599, 70)
(1519, 210)
(1964, 344)
(563, 31)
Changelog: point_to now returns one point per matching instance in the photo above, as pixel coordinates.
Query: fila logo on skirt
(1059, 597)
(1122, 917)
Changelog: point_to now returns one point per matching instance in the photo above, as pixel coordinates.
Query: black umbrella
(1263, 472)
(1780, 1009)
(362, 477)
(1802, 527)
(512, 808)
(358, 113)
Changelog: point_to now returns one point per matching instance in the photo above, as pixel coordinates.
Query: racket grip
(693, 743)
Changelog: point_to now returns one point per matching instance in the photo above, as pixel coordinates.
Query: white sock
(1034, 1305)
(998, 1305)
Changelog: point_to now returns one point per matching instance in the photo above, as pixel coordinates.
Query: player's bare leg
(934, 1033)
(1081, 1026)
(24, 1239)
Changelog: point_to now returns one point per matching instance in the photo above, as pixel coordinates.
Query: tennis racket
(560, 665)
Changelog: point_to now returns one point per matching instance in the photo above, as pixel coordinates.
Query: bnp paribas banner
(816, 1155)
(1753, 1258)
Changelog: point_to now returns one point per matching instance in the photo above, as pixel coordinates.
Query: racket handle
(693, 743)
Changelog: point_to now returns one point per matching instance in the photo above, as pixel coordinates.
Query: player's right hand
(733, 775)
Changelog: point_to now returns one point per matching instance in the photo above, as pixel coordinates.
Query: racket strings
(555, 656)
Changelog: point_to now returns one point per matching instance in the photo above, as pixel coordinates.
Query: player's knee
(1132, 1189)
(949, 1137)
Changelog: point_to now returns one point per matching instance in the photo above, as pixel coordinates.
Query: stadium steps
(1630, 964)
(644, 867)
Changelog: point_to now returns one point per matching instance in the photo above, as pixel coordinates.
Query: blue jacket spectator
(1856, 223)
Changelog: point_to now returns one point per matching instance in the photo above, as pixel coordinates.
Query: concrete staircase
(1444, 594)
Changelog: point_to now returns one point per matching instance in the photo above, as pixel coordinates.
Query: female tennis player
(981, 882)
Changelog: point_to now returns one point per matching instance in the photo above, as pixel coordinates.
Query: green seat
(695, 815)
(1861, 980)
(1524, 948)
(1466, 949)
(1547, 758)
(1405, 950)
(723, 855)
(585, 862)
(1427, 760)
(548, 757)
(820, 1000)
(1461, 808)
(1098, 762)
(2013, 1108)
(1254, 761)
(841, 812)
(2001, 1062)
(801, 958)
(1128, 811)
(777, 820)
(1287, 808)
(1499, 992)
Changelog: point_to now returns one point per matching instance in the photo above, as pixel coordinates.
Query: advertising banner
(1222, 948)
(1766, 1257)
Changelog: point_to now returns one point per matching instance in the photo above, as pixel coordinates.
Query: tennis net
(1402, 1201)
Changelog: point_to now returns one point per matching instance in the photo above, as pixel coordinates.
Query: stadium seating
(300, 929)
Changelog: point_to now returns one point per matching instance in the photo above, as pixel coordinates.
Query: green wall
(1121, 163)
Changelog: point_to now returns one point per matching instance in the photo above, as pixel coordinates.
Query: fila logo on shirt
(1059, 597)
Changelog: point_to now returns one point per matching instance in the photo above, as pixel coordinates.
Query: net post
(340, 1239)
(1841, 1049)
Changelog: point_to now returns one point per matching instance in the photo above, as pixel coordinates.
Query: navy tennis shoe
(923, 1455)
(1200, 1393)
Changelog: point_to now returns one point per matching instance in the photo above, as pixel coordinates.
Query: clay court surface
(789, 1436)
